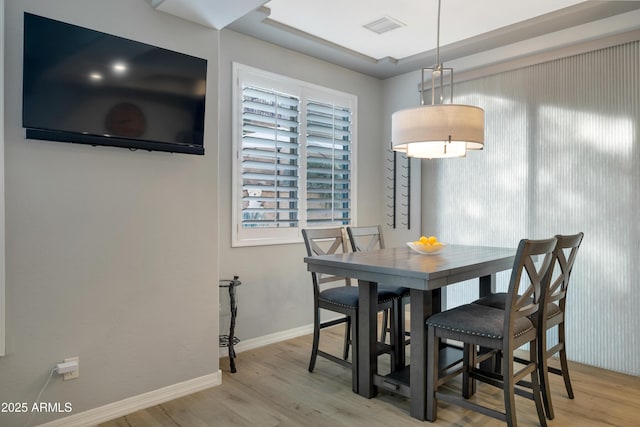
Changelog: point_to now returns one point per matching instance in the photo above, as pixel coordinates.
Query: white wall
(276, 293)
(111, 254)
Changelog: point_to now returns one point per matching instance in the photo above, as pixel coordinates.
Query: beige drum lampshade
(438, 131)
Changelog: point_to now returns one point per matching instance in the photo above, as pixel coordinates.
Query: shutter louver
(328, 161)
(270, 150)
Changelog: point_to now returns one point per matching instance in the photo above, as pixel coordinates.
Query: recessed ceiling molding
(388, 60)
(564, 27)
(509, 62)
(571, 25)
(462, 19)
(215, 14)
(260, 18)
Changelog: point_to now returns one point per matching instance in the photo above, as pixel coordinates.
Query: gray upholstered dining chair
(339, 297)
(368, 238)
(502, 330)
(553, 315)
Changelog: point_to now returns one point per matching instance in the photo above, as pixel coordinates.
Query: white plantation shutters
(270, 165)
(294, 164)
(328, 161)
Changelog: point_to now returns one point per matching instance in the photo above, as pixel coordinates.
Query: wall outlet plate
(73, 374)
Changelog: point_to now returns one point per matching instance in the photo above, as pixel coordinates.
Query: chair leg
(468, 364)
(385, 326)
(397, 335)
(563, 361)
(433, 347)
(393, 338)
(543, 373)
(316, 339)
(497, 364)
(537, 393)
(509, 389)
(347, 338)
(354, 352)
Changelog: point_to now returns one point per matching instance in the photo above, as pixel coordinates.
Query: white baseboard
(118, 409)
(268, 339)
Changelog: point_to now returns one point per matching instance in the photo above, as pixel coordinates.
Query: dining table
(425, 275)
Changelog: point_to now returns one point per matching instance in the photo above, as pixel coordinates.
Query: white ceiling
(333, 29)
(341, 22)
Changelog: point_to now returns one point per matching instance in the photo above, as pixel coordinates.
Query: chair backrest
(565, 255)
(529, 279)
(365, 238)
(325, 241)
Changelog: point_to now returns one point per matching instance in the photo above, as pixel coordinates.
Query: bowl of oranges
(427, 245)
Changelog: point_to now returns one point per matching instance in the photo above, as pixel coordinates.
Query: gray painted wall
(99, 264)
(399, 93)
(276, 293)
(111, 254)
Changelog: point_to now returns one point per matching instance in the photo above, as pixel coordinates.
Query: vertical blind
(561, 156)
(277, 158)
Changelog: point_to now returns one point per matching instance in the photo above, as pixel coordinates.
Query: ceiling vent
(383, 25)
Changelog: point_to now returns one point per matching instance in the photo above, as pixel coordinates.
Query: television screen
(84, 86)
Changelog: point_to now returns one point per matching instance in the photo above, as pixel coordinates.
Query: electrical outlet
(73, 374)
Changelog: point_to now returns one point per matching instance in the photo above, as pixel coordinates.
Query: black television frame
(112, 141)
(37, 133)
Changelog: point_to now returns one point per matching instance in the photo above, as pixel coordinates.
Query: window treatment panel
(561, 156)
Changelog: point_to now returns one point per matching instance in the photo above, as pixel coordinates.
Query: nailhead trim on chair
(498, 337)
(351, 306)
(336, 303)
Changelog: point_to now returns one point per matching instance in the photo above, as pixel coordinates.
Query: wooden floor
(273, 388)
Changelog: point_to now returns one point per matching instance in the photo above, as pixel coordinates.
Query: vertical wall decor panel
(561, 156)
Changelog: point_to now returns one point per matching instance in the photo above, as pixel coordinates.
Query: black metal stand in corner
(231, 340)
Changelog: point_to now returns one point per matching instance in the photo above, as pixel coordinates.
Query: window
(294, 146)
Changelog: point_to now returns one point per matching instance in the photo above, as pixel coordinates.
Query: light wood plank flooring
(273, 388)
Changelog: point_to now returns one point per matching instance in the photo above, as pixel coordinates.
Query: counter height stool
(369, 238)
(554, 315)
(501, 330)
(340, 298)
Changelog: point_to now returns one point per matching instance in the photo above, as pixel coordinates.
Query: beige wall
(111, 254)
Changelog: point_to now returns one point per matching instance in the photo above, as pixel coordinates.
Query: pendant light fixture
(437, 130)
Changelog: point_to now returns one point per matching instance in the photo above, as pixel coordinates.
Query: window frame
(304, 91)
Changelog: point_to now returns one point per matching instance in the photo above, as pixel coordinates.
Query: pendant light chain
(437, 70)
(438, 37)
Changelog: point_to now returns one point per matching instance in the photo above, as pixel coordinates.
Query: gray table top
(404, 267)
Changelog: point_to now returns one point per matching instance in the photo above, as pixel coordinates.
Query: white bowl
(427, 249)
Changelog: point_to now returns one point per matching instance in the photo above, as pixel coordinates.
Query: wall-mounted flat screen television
(88, 87)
